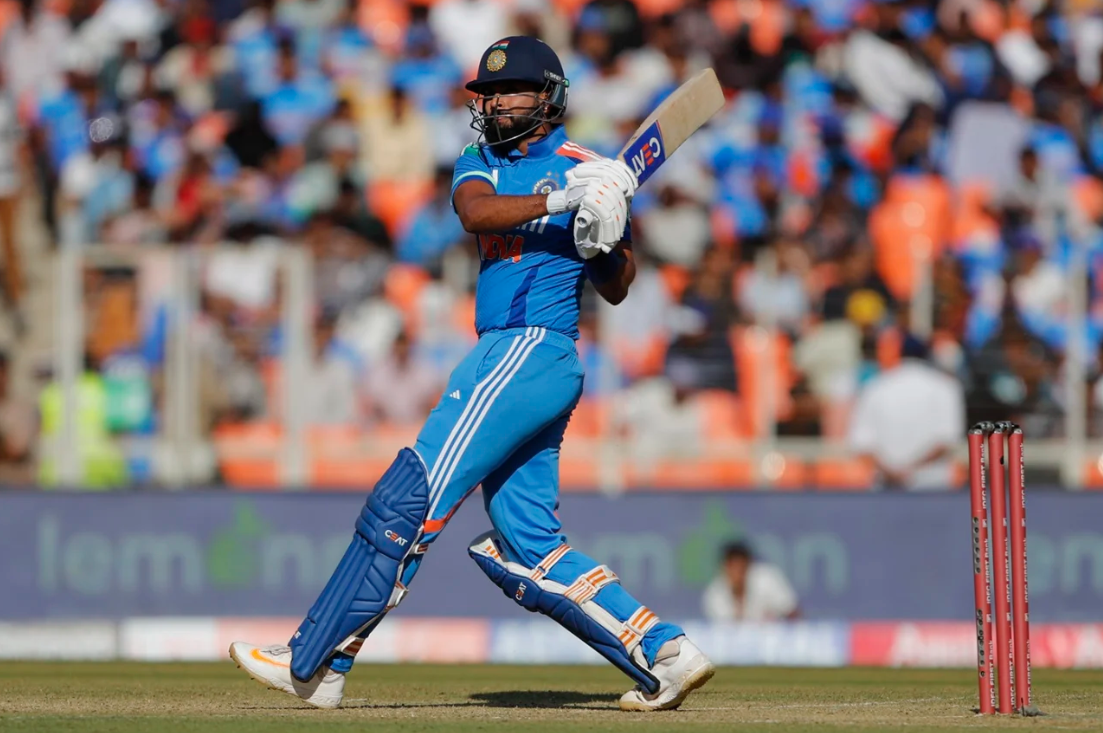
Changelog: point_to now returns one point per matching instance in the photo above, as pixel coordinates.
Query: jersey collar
(545, 147)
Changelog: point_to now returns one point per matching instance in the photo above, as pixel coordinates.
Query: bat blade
(680, 115)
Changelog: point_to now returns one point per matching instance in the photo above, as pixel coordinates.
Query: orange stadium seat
(385, 21)
(970, 219)
(248, 454)
(337, 459)
(717, 474)
(904, 231)
(767, 20)
(721, 415)
(750, 345)
(578, 470)
(402, 288)
(930, 192)
(589, 419)
(791, 474)
(842, 474)
(696, 474)
(394, 202)
(656, 8)
(570, 8)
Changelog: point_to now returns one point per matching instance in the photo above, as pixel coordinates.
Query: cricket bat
(680, 115)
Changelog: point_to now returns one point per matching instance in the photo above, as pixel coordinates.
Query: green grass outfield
(218, 698)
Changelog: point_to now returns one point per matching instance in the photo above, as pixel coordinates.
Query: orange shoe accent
(255, 654)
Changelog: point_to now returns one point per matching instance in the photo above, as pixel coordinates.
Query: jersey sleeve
(469, 166)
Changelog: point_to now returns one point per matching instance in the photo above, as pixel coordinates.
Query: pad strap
(545, 565)
(637, 626)
(587, 586)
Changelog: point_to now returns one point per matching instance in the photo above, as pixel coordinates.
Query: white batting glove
(601, 219)
(567, 199)
(606, 170)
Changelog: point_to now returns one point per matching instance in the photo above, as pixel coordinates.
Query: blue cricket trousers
(500, 423)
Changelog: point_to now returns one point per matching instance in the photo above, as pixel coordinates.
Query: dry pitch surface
(217, 698)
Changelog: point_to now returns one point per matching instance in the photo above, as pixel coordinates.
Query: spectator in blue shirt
(345, 47)
(434, 229)
(298, 102)
(158, 140)
(254, 37)
(65, 116)
(427, 74)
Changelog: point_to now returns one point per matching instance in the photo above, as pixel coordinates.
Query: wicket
(1003, 639)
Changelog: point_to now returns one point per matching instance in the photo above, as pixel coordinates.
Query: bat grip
(584, 219)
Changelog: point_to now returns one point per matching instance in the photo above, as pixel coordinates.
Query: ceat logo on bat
(647, 153)
(400, 541)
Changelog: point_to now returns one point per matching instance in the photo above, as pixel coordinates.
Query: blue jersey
(531, 275)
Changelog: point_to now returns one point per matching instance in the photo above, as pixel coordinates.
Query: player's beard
(504, 132)
(506, 137)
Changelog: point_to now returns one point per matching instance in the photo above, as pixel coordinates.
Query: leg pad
(572, 606)
(366, 584)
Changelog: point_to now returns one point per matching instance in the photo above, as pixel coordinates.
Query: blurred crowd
(896, 191)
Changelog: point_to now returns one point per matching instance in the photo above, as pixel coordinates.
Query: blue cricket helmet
(524, 59)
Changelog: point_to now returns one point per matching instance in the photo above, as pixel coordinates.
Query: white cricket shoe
(271, 666)
(680, 668)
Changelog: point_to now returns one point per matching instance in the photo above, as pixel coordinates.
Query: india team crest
(496, 61)
(545, 186)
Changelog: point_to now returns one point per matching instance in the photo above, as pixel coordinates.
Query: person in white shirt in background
(748, 589)
(907, 421)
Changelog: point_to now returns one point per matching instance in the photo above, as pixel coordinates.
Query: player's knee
(393, 514)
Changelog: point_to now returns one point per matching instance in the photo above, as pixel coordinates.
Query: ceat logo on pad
(400, 541)
(520, 591)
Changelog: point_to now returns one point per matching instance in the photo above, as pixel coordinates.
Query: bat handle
(584, 219)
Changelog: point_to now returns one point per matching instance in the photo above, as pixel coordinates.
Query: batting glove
(606, 170)
(567, 199)
(601, 219)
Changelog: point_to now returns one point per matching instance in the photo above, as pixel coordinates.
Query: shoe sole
(695, 681)
(245, 668)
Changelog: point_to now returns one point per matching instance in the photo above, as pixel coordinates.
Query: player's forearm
(614, 289)
(497, 213)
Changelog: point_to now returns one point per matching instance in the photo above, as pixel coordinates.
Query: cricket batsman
(501, 419)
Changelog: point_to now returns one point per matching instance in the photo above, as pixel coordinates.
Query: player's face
(509, 108)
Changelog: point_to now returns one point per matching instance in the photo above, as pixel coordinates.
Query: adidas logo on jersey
(455, 395)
